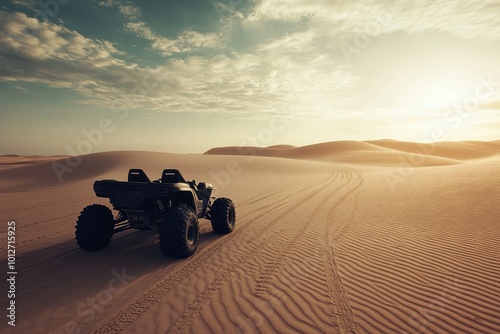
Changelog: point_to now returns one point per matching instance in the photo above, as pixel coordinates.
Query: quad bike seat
(172, 176)
(137, 175)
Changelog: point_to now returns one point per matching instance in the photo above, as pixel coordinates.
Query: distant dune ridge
(33, 171)
(341, 237)
(373, 152)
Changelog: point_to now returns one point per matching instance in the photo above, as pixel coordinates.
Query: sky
(79, 77)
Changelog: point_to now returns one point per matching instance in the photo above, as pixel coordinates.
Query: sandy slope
(345, 237)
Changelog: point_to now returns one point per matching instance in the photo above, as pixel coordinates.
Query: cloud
(126, 8)
(187, 41)
(25, 3)
(295, 10)
(290, 72)
(460, 17)
(251, 84)
(231, 8)
(269, 81)
(35, 51)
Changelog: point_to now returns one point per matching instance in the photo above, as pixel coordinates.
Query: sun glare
(440, 96)
(428, 91)
(427, 81)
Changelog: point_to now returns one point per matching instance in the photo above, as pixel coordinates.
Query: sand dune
(323, 151)
(11, 160)
(281, 147)
(115, 165)
(380, 152)
(451, 150)
(342, 237)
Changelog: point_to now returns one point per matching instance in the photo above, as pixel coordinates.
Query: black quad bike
(170, 204)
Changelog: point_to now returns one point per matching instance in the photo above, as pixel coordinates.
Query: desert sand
(341, 237)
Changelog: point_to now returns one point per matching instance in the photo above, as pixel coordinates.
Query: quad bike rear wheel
(179, 233)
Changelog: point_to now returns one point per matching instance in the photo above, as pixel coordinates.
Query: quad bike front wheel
(223, 216)
(94, 227)
(179, 233)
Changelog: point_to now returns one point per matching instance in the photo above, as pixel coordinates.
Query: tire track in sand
(186, 319)
(341, 308)
(273, 266)
(343, 314)
(343, 319)
(132, 311)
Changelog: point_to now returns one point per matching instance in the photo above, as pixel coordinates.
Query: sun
(431, 90)
(425, 81)
(440, 94)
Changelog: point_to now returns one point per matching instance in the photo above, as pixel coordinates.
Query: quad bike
(170, 205)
